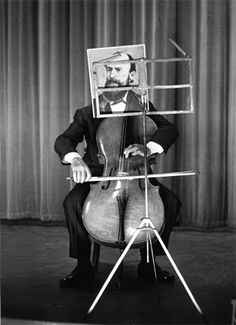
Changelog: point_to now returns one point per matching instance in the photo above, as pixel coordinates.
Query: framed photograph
(117, 76)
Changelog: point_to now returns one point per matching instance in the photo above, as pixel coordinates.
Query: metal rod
(149, 113)
(169, 60)
(191, 83)
(152, 253)
(171, 112)
(134, 177)
(170, 86)
(110, 89)
(144, 104)
(101, 63)
(178, 47)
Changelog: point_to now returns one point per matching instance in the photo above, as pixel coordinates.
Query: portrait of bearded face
(110, 67)
(118, 75)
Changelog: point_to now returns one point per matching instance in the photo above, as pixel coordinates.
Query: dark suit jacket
(85, 126)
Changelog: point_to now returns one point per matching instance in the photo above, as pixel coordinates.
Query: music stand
(146, 223)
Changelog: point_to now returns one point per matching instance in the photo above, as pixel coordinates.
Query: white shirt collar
(119, 107)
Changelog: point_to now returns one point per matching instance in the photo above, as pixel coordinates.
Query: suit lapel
(133, 103)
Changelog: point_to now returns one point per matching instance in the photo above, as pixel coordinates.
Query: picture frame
(98, 60)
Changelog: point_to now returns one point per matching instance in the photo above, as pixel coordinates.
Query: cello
(113, 209)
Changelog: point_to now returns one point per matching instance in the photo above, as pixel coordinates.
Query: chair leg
(95, 255)
(120, 273)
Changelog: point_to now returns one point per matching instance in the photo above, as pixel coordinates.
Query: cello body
(113, 209)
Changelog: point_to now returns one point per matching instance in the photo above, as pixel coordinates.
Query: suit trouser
(80, 245)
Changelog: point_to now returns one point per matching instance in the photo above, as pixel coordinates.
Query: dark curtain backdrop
(44, 79)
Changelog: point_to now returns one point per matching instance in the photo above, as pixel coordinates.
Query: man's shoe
(146, 273)
(80, 277)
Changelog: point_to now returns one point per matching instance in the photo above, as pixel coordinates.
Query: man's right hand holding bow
(80, 170)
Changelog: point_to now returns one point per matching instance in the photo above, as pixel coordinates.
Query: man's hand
(80, 170)
(136, 149)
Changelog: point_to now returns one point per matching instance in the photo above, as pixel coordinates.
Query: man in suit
(85, 126)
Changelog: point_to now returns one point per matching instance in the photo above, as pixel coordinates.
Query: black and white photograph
(118, 162)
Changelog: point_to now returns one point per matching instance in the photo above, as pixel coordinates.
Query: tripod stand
(146, 225)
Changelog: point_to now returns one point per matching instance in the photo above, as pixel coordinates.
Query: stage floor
(34, 258)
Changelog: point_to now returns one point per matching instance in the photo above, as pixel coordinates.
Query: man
(84, 125)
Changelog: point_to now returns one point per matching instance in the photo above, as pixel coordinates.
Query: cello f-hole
(106, 186)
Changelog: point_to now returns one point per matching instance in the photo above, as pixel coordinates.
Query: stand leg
(154, 265)
(152, 254)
